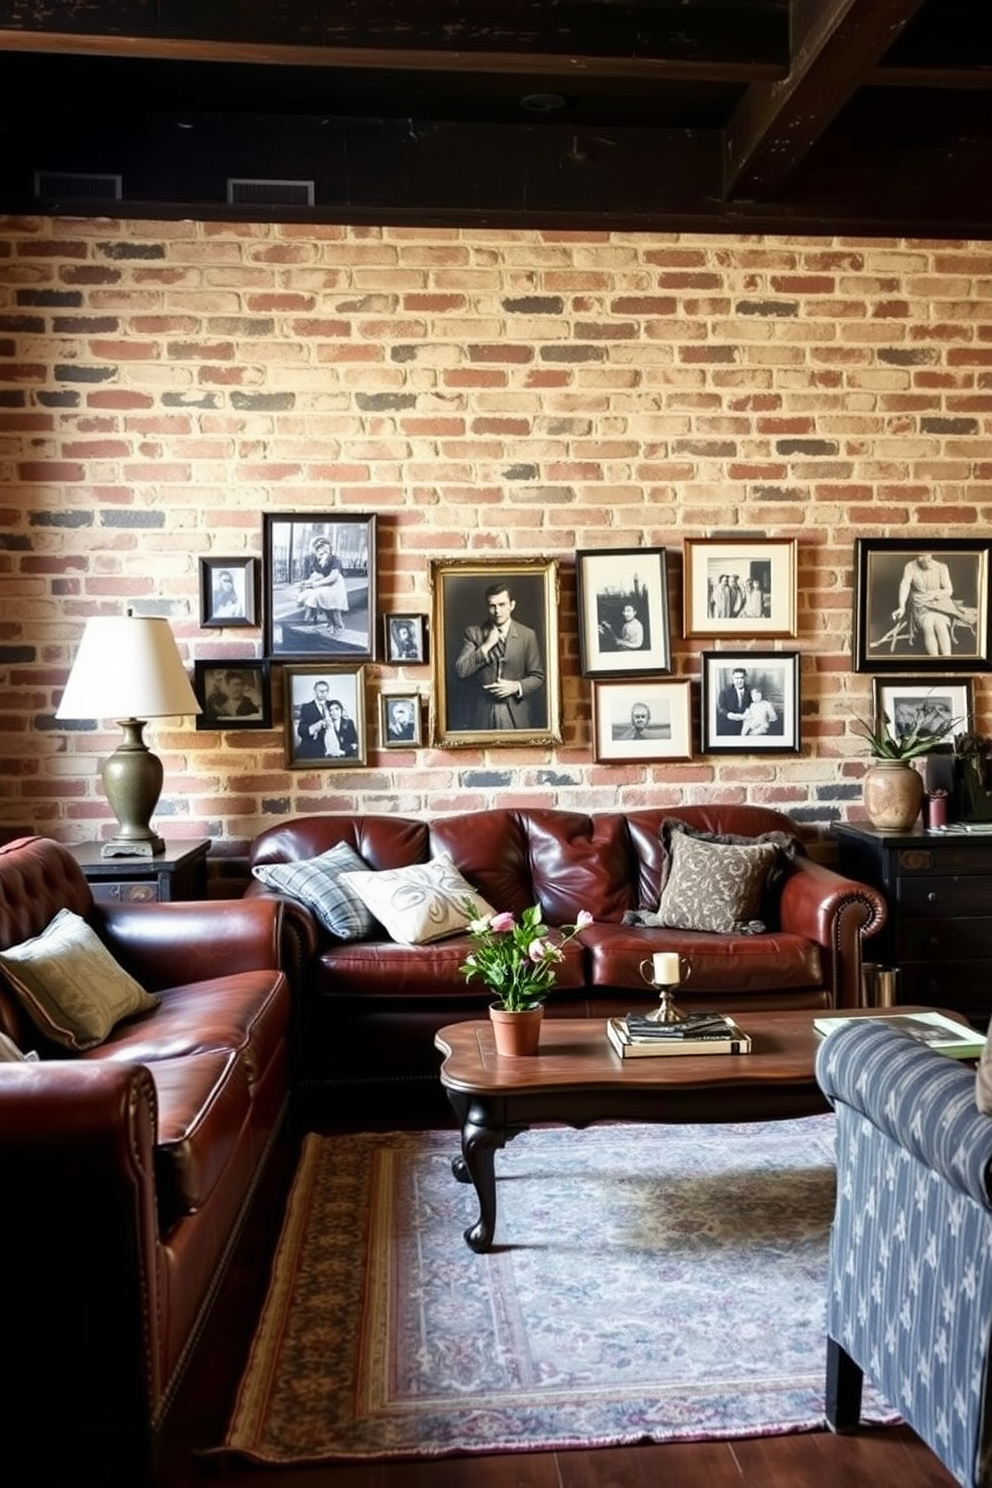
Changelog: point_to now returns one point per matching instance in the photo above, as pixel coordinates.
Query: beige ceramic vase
(893, 794)
(516, 1033)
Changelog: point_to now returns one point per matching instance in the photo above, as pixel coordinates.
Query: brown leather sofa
(369, 1008)
(126, 1170)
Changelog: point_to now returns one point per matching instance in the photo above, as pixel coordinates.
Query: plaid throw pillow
(317, 883)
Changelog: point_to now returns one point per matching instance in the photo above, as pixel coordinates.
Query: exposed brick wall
(164, 384)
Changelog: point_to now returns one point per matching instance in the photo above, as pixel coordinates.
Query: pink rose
(500, 923)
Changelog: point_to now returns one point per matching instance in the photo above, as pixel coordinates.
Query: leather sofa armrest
(164, 945)
(837, 913)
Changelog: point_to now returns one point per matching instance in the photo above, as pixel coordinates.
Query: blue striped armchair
(909, 1298)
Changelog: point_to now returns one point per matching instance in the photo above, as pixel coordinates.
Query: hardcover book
(942, 1033)
(732, 1041)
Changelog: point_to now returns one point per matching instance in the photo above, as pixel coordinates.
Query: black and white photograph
(320, 586)
(641, 721)
(921, 604)
(739, 588)
(942, 707)
(232, 694)
(325, 717)
(750, 702)
(406, 639)
(228, 592)
(622, 598)
(399, 720)
(495, 652)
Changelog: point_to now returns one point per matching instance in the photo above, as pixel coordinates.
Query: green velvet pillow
(70, 985)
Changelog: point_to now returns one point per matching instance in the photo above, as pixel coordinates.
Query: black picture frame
(228, 593)
(308, 734)
(464, 668)
(908, 701)
(400, 720)
(775, 675)
(945, 628)
(301, 621)
(404, 638)
(223, 698)
(622, 596)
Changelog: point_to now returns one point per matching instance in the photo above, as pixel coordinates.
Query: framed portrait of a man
(749, 702)
(921, 604)
(232, 694)
(399, 720)
(495, 652)
(622, 598)
(319, 586)
(641, 721)
(325, 717)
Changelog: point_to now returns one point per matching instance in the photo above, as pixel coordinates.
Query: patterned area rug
(647, 1283)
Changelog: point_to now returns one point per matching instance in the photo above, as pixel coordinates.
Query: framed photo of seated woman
(319, 586)
(921, 603)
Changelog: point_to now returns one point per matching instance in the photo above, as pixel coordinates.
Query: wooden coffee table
(576, 1078)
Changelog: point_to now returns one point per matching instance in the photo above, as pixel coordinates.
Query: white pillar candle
(666, 968)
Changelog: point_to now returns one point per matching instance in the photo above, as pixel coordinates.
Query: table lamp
(128, 668)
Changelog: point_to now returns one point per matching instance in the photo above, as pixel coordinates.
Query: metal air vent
(88, 186)
(243, 191)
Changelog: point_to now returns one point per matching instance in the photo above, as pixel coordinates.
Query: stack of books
(636, 1037)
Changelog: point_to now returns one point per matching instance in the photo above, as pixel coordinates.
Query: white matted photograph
(740, 588)
(641, 721)
(623, 611)
(750, 702)
(325, 717)
(941, 707)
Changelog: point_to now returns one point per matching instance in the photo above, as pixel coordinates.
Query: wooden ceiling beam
(835, 46)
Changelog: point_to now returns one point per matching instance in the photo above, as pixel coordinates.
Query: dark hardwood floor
(199, 1415)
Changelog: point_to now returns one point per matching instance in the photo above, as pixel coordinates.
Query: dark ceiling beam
(836, 44)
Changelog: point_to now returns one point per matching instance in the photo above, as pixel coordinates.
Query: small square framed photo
(744, 589)
(405, 639)
(319, 586)
(325, 717)
(928, 704)
(623, 611)
(921, 604)
(228, 592)
(641, 721)
(750, 702)
(399, 720)
(232, 694)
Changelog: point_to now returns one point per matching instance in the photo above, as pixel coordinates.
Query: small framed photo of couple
(739, 588)
(232, 694)
(750, 702)
(228, 592)
(623, 611)
(941, 706)
(641, 721)
(921, 605)
(406, 639)
(319, 582)
(325, 717)
(399, 720)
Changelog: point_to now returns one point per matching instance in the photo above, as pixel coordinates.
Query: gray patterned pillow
(318, 883)
(714, 887)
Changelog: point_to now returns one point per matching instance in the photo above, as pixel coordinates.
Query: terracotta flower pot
(893, 795)
(516, 1033)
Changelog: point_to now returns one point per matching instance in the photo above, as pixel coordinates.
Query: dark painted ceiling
(806, 116)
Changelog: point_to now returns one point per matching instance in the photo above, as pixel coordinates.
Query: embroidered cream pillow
(422, 903)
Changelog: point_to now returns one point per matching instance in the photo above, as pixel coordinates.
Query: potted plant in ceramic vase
(892, 788)
(517, 960)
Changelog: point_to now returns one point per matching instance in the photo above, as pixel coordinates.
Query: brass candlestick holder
(666, 1011)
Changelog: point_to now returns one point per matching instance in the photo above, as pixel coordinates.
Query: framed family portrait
(495, 652)
(641, 721)
(232, 694)
(623, 611)
(325, 717)
(921, 604)
(319, 586)
(399, 720)
(228, 592)
(750, 702)
(740, 588)
(942, 706)
(405, 639)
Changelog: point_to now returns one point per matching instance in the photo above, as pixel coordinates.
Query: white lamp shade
(127, 666)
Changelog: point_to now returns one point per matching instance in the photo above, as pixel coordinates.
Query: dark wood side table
(178, 873)
(938, 888)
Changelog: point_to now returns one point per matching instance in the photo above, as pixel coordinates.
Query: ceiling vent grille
(85, 186)
(243, 191)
